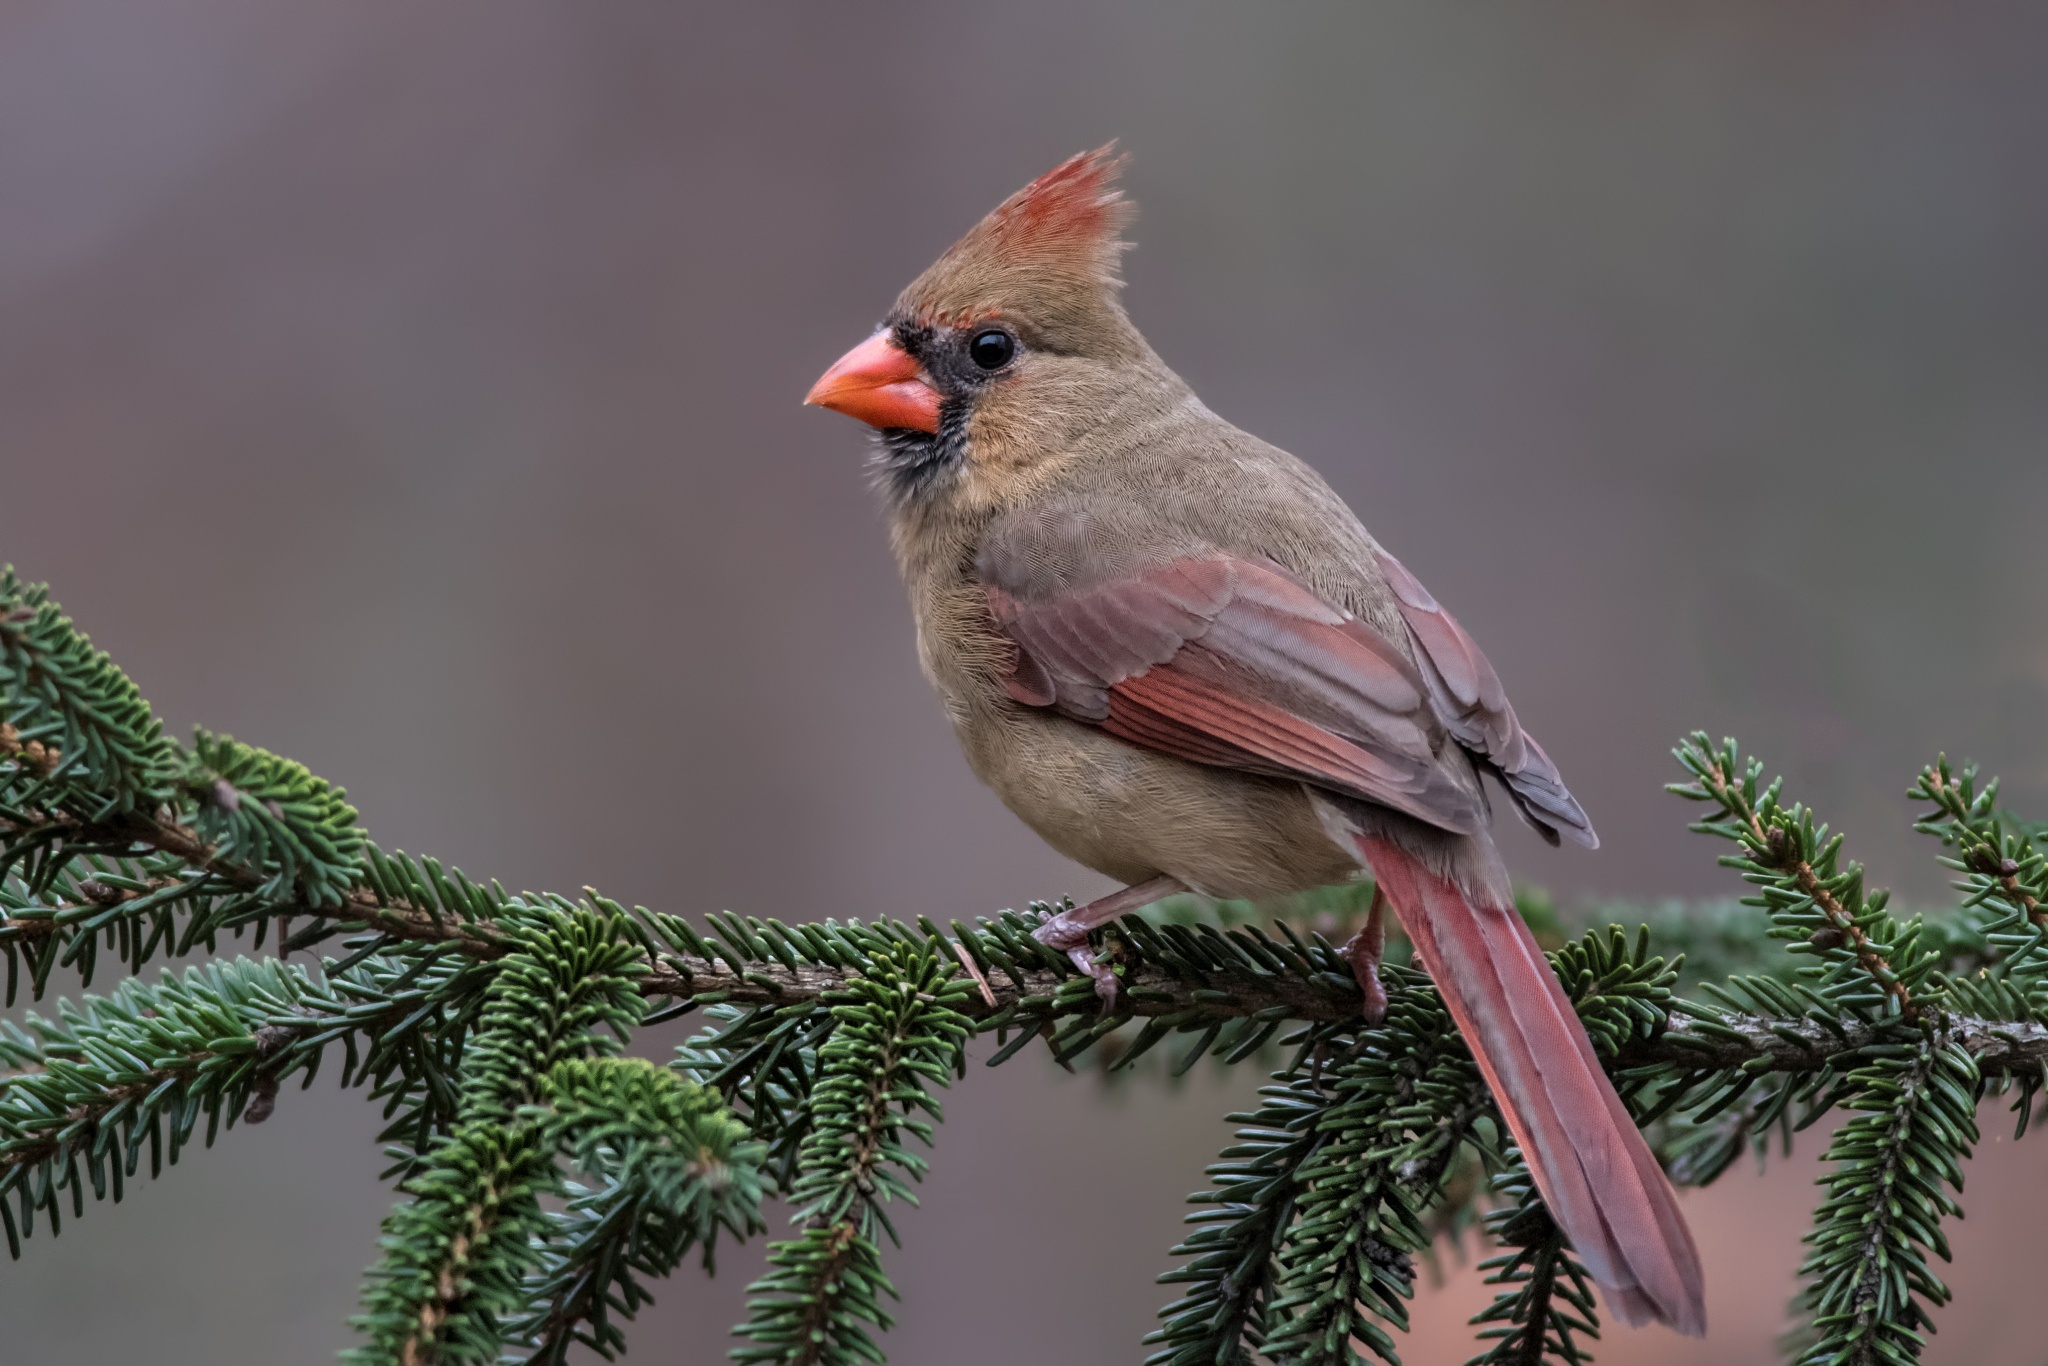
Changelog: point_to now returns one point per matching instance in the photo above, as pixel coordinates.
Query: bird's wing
(1235, 662)
(1466, 695)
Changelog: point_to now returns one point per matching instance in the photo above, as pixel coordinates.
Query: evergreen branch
(2004, 867)
(675, 1167)
(1317, 1208)
(1189, 975)
(569, 987)
(897, 1032)
(1237, 985)
(1755, 1044)
(1696, 1151)
(1547, 1304)
(83, 760)
(457, 1258)
(1913, 1124)
(480, 1021)
(1307, 1250)
(87, 1092)
(764, 1062)
(1809, 894)
(74, 730)
(412, 1070)
(1185, 974)
(132, 873)
(273, 822)
(130, 876)
(1912, 1085)
(91, 1089)
(1401, 1108)
(1231, 1271)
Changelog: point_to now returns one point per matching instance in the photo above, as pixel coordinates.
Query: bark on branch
(1022, 992)
(1729, 1041)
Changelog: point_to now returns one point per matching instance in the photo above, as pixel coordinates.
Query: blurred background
(413, 389)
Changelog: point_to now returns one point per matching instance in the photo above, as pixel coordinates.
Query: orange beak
(879, 383)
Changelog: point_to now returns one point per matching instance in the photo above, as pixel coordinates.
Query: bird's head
(994, 358)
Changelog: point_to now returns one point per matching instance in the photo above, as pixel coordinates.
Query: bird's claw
(1105, 976)
(1068, 931)
(1367, 970)
(1061, 933)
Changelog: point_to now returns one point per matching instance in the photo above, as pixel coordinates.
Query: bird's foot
(1364, 950)
(1068, 931)
(1061, 932)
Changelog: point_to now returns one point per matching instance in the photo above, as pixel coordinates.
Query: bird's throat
(912, 467)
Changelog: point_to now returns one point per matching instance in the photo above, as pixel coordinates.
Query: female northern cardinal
(1176, 654)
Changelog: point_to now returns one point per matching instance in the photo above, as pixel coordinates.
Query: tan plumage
(1175, 653)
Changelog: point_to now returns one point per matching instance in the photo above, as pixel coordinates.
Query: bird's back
(1164, 476)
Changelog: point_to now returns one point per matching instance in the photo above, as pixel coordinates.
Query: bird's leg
(1364, 950)
(1068, 931)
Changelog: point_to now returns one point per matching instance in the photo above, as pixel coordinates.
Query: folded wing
(1234, 661)
(1466, 694)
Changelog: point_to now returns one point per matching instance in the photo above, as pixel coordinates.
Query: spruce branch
(267, 818)
(1912, 1084)
(1869, 1282)
(761, 1004)
(897, 1033)
(459, 1257)
(675, 1169)
(1808, 893)
(2004, 866)
(74, 730)
(1402, 1106)
(1326, 1195)
(87, 1092)
(93, 1087)
(133, 875)
(764, 1062)
(1547, 1303)
(484, 1023)
(1231, 1273)
(456, 1257)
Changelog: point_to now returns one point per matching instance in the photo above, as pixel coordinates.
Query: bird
(1176, 654)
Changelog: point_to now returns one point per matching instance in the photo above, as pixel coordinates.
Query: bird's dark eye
(991, 350)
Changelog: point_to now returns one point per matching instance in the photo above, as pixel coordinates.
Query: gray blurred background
(413, 389)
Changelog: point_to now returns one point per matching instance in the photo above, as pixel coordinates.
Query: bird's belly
(1134, 814)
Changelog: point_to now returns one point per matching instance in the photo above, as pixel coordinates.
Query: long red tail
(1591, 1165)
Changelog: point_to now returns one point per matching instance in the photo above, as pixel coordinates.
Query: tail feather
(1590, 1163)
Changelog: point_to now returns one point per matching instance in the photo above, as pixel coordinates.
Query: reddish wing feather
(1467, 694)
(1179, 712)
(1238, 664)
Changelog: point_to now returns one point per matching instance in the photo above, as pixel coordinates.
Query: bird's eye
(991, 350)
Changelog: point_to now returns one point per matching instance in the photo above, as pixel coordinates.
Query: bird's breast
(1134, 814)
